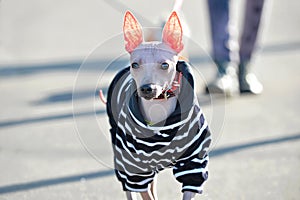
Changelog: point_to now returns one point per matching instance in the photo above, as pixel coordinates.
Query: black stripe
(155, 162)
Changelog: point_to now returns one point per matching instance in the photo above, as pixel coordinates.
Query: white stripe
(164, 143)
(152, 144)
(138, 140)
(144, 142)
(122, 113)
(161, 134)
(157, 161)
(130, 163)
(136, 183)
(135, 157)
(136, 121)
(159, 153)
(197, 160)
(167, 151)
(159, 128)
(177, 149)
(193, 188)
(137, 130)
(123, 85)
(176, 138)
(129, 173)
(126, 149)
(193, 171)
(127, 88)
(128, 128)
(122, 128)
(135, 190)
(197, 150)
(190, 126)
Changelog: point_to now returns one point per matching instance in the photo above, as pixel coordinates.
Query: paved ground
(44, 149)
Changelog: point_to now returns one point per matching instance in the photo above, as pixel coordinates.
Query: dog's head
(153, 64)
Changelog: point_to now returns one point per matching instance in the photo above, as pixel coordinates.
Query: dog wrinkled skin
(149, 76)
(150, 57)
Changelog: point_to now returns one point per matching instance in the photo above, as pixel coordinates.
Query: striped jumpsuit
(141, 151)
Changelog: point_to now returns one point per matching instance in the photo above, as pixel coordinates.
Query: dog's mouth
(152, 91)
(147, 97)
(149, 92)
(165, 94)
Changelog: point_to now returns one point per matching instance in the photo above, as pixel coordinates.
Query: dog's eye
(164, 66)
(135, 65)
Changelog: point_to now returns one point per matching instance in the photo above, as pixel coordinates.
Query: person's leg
(248, 82)
(225, 81)
(219, 21)
(153, 188)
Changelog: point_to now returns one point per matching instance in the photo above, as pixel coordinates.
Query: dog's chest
(160, 145)
(157, 110)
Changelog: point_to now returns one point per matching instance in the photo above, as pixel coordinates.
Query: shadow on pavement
(204, 100)
(54, 181)
(93, 175)
(11, 70)
(231, 149)
(67, 96)
(48, 118)
(74, 66)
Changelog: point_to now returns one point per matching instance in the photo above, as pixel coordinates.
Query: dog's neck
(150, 55)
(157, 110)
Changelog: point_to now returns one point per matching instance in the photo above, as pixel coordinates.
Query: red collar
(166, 94)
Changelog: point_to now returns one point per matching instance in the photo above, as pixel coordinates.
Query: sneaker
(226, 83)
(250, 84)
(248, 81)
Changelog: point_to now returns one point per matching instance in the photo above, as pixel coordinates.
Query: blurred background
(54, 141)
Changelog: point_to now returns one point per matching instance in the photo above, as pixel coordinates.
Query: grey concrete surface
(54, 141)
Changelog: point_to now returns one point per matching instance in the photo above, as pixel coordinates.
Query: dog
(156, 121)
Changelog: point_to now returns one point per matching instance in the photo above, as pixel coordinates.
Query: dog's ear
(172, 33)
(133, 33)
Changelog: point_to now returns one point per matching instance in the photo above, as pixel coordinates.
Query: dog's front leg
(153, 188)
(188, 195)
(150, 194)
(131, 195)
(147, 195)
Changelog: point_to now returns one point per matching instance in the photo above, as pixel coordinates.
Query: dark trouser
(222, 39)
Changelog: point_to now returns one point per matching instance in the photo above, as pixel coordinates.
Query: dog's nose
(147, 88)
(148, 91)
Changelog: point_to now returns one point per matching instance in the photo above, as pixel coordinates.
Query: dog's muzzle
(148, 91)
